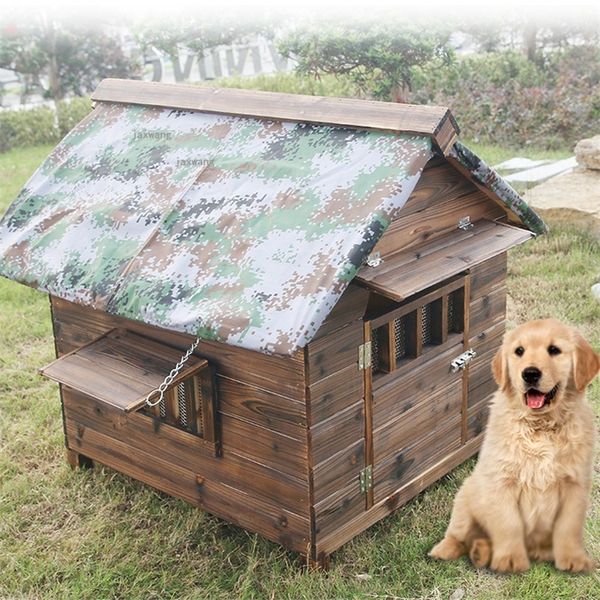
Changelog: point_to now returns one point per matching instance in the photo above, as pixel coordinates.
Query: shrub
(40, 125)
(502, 98)
(292, 83)
(69, 113)
(27, 127)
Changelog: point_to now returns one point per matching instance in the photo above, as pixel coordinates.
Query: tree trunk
(54, 85)
(400, 93)
(530, 40)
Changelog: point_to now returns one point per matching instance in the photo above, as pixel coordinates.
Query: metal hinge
(364, 356)
(366, 479)
(460, 362)
(465, 223)
(374, 259)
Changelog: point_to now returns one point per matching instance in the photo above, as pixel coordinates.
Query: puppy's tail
(481, 552)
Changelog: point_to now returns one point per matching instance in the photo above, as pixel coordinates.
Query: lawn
(97, 534)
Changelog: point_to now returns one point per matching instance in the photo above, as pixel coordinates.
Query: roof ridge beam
(436, 122)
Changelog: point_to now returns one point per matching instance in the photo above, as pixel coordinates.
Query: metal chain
(162, 388)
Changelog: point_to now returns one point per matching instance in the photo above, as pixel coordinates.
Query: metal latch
(364, 356)
(465, 223)
(374, 259)
(366, 479)
(460, 362)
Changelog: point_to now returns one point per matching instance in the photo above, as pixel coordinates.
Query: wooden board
(434, 121)
(412, 461)
(339, 431)
(77, 325)
(418, 227)
(438, 182)
(334, 352)
(420, 384)
(350, 307)
(262, 408)
(333, 394)
(407, 273)
(187, 451)
(352, 527)
(236, 505)
(488, 310)
(120, 368)
(488, 274)
(428, 414)
(338, 470)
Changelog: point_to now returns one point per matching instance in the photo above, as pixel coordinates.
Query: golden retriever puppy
(527, 497)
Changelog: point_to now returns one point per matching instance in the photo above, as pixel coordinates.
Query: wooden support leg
(322, 563)
(78, 461)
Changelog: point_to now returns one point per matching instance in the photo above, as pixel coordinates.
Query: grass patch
(97, 534)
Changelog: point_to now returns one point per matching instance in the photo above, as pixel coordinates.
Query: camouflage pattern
(489, 178)
(241, 230)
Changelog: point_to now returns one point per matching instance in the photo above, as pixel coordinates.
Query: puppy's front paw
(578, 562)
(480, 553)
(515, 562)
(448, 549)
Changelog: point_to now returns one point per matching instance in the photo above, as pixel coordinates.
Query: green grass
(97, 534)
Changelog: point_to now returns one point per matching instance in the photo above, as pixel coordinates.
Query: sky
(482, 10)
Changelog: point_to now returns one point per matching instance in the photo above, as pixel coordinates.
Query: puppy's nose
(531, 375)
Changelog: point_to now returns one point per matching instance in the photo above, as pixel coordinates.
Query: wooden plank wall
(418, 423)
(488, 324)
(452, 195)
(336, 415)
(261, 480)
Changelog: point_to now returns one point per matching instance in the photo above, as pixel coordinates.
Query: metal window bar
(375, 350)
(199, 400)
(400, 337)
(451, 312)
(426, 325)
(183, 408)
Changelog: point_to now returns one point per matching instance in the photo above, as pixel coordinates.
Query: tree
(61, 59)
(195, 37)
(379, 59)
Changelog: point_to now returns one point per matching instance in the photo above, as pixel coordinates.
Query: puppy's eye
(553, 350)
(519, 351)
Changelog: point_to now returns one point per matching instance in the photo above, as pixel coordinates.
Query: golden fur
(527, 497)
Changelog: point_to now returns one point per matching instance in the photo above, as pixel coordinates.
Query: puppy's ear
(500, 369)
(586, 363)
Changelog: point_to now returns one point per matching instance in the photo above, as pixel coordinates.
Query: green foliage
(70, 58)
(197, 34)
(503, 98)
(27, 127)
(41, 125)
(378, 59)
(292, 83)
(69, 113)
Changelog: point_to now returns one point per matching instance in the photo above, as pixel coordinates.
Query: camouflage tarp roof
(238, 229)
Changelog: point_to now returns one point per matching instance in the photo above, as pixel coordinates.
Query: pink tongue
(535, 399)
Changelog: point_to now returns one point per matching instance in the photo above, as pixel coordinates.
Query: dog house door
(416, 396)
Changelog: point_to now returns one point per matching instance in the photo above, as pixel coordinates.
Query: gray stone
(587, 152)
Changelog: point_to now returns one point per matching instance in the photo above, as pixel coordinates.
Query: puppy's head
(541, 363)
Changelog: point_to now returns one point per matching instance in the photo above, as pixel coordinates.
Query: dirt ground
(577, 191)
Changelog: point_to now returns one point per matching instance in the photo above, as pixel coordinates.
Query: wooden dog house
(343, 263)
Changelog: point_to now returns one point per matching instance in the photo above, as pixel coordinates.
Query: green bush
(27, 127)
(291, 83)
(40, 125)
(70, 113)
(502, 98)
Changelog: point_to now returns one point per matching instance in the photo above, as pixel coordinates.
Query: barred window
(416, 326)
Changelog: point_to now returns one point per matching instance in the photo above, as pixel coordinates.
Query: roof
(242, 229)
